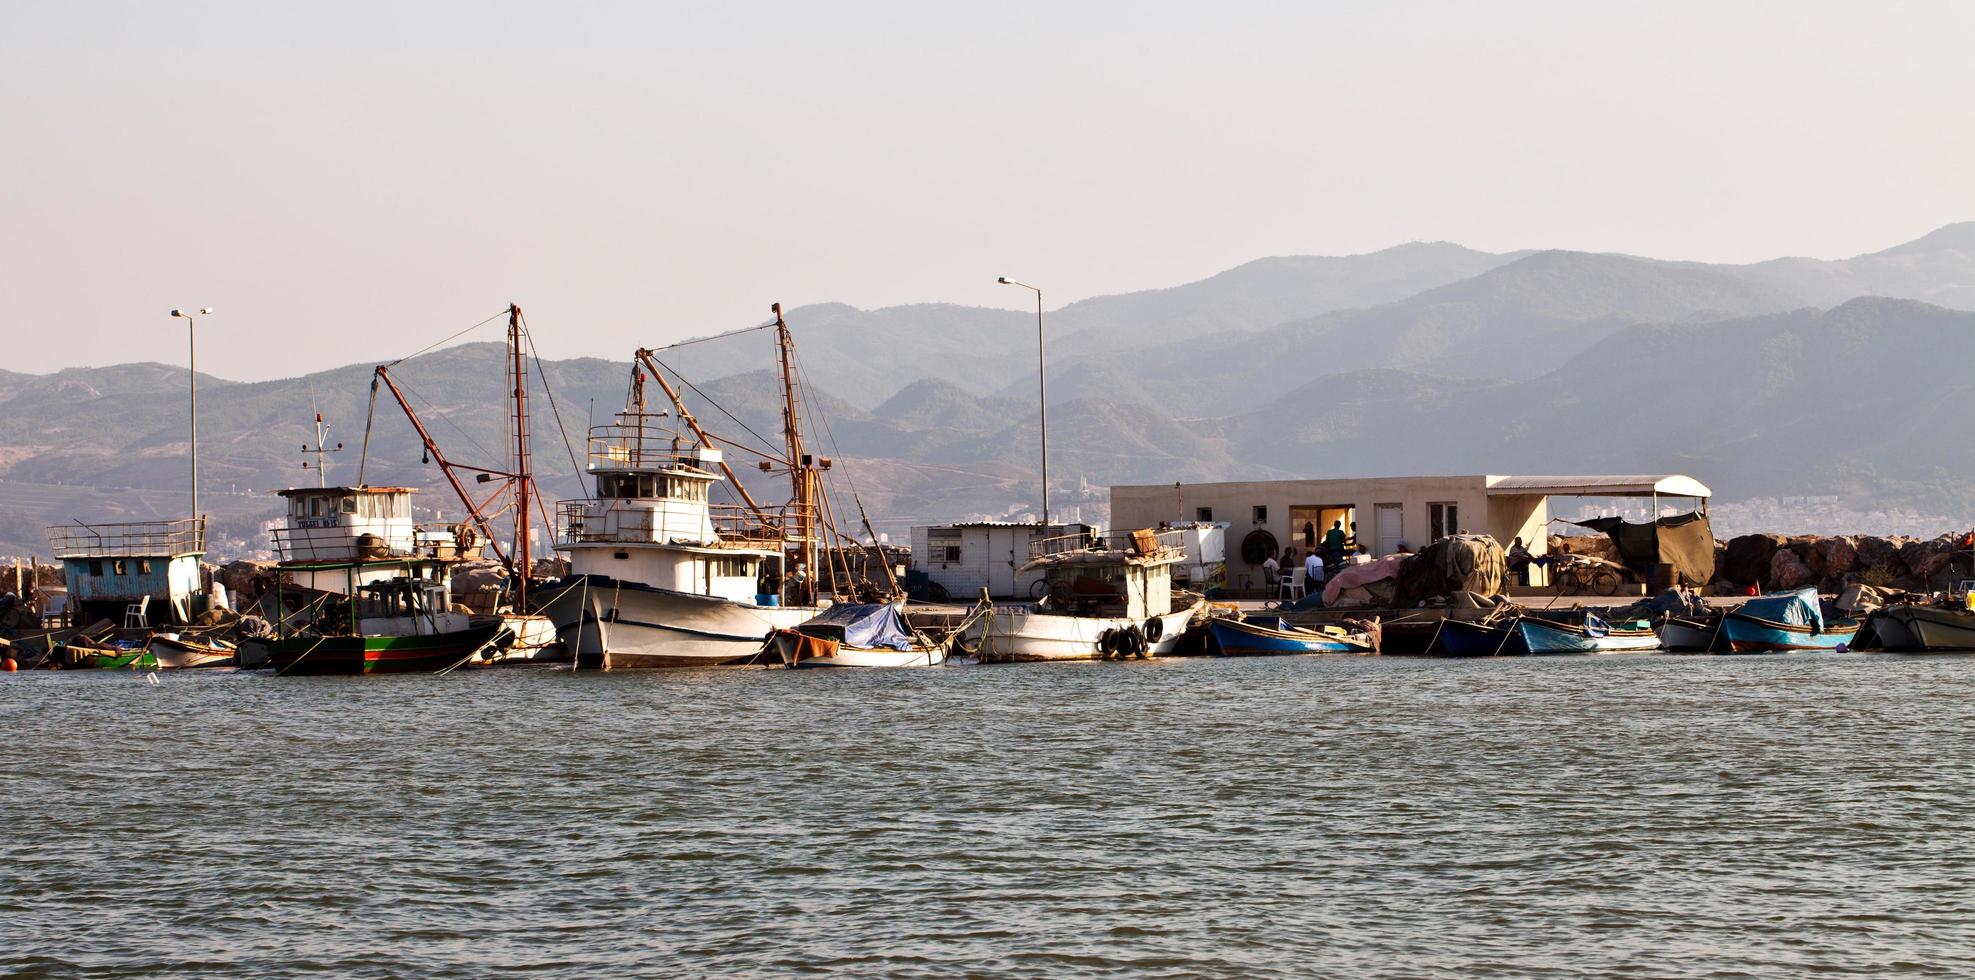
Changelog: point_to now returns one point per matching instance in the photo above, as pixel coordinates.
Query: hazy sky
(346, 182)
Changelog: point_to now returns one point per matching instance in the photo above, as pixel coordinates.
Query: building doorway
(1391, 522)
(1310, 523)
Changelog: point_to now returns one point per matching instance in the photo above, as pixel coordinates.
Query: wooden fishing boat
(410, 654)
(84, 655)
(1109, 597)
(1913, 627)
(1463, 638)
(1237, 638)
(176, 651)
(860, 635)
(1784, 621)
(1682, 635)
(1546, 637)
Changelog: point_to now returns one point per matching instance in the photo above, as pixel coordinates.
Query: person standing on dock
(1334, 542)
(1313, 571)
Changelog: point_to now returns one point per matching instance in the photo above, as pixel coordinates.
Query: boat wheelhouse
(140, 574)
(341, 539)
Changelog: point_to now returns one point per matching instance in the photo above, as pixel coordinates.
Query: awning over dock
(1663, 485)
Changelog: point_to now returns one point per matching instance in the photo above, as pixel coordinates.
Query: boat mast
(802, 475)
(474, 511)
(523, 481)
(650, 362)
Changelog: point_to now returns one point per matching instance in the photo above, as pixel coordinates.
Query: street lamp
(192, 378)
(1042, 391)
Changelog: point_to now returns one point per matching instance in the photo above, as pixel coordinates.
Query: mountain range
(1791, 376)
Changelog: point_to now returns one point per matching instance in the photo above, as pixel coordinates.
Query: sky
(348, 182)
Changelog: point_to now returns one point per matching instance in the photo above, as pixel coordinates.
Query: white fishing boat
(178, 651)
(662, 576)
(1109, 597)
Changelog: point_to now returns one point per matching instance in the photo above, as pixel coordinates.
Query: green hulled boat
(304, 654)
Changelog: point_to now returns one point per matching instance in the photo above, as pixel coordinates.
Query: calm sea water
(1732, 816)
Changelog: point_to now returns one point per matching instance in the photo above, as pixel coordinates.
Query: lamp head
(178, 313)
(205, 310)
(1003, 280)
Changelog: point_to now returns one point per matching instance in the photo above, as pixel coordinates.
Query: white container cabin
(963, 559)
(140, 574)
(341, 539)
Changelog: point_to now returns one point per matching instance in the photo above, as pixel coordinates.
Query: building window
(116, 567)
(1261, 513)
(96, 569)
(1443, 519)
(143, 566)
(950, 553)
(1203, 513)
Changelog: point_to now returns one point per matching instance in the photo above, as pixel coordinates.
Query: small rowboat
(861, 635)
(1235, 638)
(1934, 629)
(1753, 634)
(1546, 637)
(1461, 638)
(1690, 635)
(1784, 621)
(174, 651)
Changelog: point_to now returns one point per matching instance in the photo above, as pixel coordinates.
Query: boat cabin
(1121, 574)
(651, 521)
(338, 539)
(140, 574)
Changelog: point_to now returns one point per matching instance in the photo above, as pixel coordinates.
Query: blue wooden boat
(1546, 637)
(1785, 621)
(1461, 638)
(1235, 638)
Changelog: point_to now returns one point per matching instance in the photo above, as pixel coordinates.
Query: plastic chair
(1289, 587)
(136, 616)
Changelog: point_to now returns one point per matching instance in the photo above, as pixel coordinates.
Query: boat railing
(630, 446)
(428, 541)
(584, 521)
(1135, 544)
(181, 537)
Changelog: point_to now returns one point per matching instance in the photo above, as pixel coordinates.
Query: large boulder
(1747, 559)
(1878, 558)
(1836, 556)
(1788, 571)
(1925, 560)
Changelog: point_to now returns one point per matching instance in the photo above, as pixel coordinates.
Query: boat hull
(1689, 636)
(607, 624)
(1748, 634)
(847, 656)
(1017, 634)
(1547, 639)
(1233, 638)
(180, 655)
(1460, 638)
(299, 655)
(1926, 628)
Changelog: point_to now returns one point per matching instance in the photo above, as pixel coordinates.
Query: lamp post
(1042, 392)
(192, 379)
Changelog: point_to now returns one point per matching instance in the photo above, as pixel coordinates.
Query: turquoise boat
(1545, 637)
(1785, 621)
(1235, 638)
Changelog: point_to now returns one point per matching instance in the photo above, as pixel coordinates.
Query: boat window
(349, 505)
(607, 486)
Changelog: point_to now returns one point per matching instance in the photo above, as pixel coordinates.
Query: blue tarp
(868, 625)
(1799, 608)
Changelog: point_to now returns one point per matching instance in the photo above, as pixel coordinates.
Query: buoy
(7, 664)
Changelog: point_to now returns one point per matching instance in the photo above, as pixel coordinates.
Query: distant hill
(1754, 378)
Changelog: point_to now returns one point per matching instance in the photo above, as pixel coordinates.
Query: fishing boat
(80, 654)
(1920, 627)
(1784, 621)
(180, 651)
(854, 634)
(364, 589)
(1546, 637)
(662, 576)
(1465, 638)
(1108, 597)
(1683, 635)
(1240, 638)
